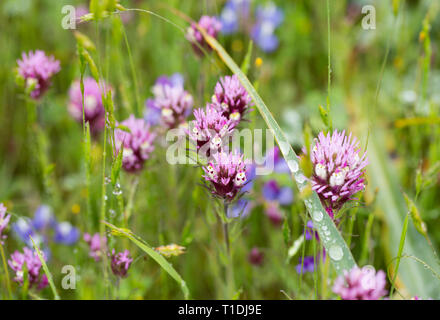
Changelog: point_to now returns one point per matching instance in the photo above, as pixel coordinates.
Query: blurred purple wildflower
(268, 18)
(307, 266)
(153, 111)
(273, 192)
(4, 221)
(256, 257)
(209, 127)
(234, 14)
(40, 226)
(338, 169)
(37, 69)
(120, 262)
(310, 231)
(43, 218)
(274, 160)
(361, 284)
(137, 144)
(240, 209)
(65, 233)
(97, 245)
(94, 112)
(33, 266)
(231, 98)
(212, 27)
(171, 104)
(273, 212)
(226, 174)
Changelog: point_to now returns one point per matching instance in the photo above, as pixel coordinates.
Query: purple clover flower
(171, 104)
(137, 144)
(209, 129)
(37, 69)
(361, 284)
(153, 112)
(94, 112)
(234, 13)
(231, 98)
(212, 27)
(268, 18)
(226, 174)
(4, 221)
(33, 266)
(97, 245)
(338, 169)
(120, 262)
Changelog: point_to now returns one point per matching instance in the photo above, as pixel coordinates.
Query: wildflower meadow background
(101, 101)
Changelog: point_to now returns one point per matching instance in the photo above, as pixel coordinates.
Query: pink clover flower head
(33, 265)
(4, 221)
(120, 262)
(361, 284)
(225, 174)
(94, 112)
(137, 144)
(95, 243)
(338, 169)
(231, 98)
(209, 127)
(37, 70)
(211, 25)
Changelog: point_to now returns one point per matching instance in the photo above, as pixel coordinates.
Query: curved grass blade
(144, 246)
(46, 271)
(332, 240)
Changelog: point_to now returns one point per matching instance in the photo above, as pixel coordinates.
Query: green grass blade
(46, 271)
(332, 240)
(399, 253)
(152, 253)
(382, 175)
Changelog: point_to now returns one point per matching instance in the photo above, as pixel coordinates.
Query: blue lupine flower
(43, 218)
(39, 227)
(65, 233)
(268, 17)
(307, 266)
(273, 192)
(232, 14)
(274, 160)
(23, 229)
(251, 172)
(311, 231)
(241, 208)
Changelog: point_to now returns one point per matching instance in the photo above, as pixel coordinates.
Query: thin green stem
(229, 264)
(5, 266)
(103, 215)
(133, 73)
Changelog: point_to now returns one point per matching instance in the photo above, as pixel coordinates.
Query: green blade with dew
(144, 246)
(332, 240)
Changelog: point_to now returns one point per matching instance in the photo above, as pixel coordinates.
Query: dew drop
(300, 178)
(336, 253)
(317, 216)
(293, 165)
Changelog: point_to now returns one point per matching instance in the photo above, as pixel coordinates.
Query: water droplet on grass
(317, 216)
(336, 253)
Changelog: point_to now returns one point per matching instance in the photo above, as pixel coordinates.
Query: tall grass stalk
(5, 266)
